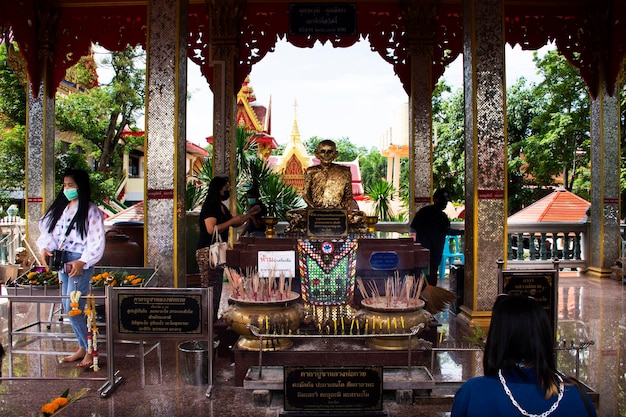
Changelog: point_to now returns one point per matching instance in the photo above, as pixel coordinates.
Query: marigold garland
(52, 407)
(74, 299)
(92, 331)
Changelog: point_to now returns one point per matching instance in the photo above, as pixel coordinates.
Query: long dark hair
(215, 186)
(520, 332)
(54, 212)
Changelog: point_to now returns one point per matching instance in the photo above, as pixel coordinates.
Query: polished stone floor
(590, 309)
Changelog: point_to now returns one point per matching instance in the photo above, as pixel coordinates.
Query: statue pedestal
(333, 351)
(376, 260)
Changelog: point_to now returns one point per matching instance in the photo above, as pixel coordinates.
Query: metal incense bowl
(396, 319)
(272, 318)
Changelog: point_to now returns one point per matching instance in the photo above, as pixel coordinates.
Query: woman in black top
(215, 214)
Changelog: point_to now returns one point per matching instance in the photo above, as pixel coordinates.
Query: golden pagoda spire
(295, 131)
(268, 118)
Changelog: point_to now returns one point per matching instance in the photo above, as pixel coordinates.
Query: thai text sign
(542, 285)
(346, 388)
(322, 19)
(272, 263)
(327, 222)
(160, 313)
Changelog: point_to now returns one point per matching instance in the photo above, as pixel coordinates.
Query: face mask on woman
(71, 193)
(251, 201)
(226, 195)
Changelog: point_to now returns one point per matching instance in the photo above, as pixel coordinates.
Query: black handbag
(56, 261)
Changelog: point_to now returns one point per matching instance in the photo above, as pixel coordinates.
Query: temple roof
(558, 206)
(133, 214)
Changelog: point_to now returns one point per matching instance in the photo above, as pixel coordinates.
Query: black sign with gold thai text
(541, 285)
(327, 222)
(345, 388)
(160, 313)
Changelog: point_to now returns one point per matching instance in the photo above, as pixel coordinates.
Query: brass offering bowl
(270, 226)
(370, 222)
(272, 318)
(378, 318)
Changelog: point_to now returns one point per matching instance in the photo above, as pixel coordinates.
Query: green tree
(100, 116)
(346, 150)
(12, 158)
(12, 92)
(372, 165)
(381, 193)
(449, 144)
(560, 144)
(522, 107)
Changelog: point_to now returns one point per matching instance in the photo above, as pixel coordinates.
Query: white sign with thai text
(274, 262)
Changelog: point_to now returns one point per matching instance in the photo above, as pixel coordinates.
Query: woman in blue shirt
(520, 370)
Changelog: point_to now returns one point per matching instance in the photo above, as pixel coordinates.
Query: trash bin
(457, 277)
(195, 355)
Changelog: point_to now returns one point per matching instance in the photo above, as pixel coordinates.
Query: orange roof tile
(133, 213)
(558, 206)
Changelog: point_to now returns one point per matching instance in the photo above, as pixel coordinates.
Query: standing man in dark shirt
(431, 225)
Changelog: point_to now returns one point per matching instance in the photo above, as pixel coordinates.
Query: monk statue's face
(326, 153)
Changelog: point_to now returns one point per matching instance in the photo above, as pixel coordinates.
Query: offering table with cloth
(377, 259)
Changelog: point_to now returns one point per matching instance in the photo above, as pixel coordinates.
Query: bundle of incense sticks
(399, 292)
(252, 287)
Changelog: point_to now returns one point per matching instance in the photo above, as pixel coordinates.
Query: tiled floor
(589, 309)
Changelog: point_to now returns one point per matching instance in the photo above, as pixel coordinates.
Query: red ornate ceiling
(590, 34)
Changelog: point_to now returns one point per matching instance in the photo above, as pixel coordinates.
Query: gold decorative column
(485, 155)
(166, 80)
(225, 16)
(420, 16)
(605, 179)
(39, 180)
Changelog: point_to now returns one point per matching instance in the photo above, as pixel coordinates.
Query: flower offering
(116, 278)
(39, 276)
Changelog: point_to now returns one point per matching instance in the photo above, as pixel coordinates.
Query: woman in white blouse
(74, 224)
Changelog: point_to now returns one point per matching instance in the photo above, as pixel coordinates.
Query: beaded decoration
(328, 269)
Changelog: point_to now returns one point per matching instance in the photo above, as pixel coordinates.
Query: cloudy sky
(340, 92)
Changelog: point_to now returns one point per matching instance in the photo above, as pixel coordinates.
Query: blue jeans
(83, 284)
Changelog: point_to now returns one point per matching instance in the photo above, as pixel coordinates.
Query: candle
(342, 330)
(267, 324)
(352, 325)
(366, 323)
(395, 324)
(335, 325)
(402, 321)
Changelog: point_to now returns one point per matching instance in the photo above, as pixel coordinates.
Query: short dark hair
(253, 191)
(520, 332)
(441, 194)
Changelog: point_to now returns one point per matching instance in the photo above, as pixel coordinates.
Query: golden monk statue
(327, 186)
